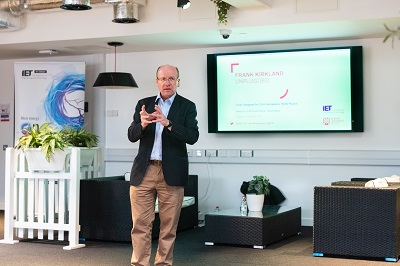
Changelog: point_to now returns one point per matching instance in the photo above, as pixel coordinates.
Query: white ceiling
(206, 38)
(291, 32)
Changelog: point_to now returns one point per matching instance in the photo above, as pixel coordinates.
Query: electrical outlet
(222, 153)
(112, 113)
(211, 153)
(246, 153)
(199, 153)
(233, 153)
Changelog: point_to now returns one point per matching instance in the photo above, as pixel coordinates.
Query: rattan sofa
(105, 210)
(351, 220)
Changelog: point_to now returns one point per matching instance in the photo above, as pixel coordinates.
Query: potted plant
(79, 137)
(83, 139)
(53, 143)
(393, 33)
(223, 9)
(257, 189)
(46, 140)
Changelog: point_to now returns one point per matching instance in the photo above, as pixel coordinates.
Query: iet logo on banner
(326, 108)
(27, 73)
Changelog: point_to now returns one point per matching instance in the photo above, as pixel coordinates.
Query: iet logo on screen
(27, 73)
(326, 108)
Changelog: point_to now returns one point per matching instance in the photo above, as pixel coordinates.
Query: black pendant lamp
(115, 80)
(185, 4)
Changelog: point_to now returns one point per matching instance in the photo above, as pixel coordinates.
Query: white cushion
(393, 179)
(383, 181)
(128, 176)
(378, 182)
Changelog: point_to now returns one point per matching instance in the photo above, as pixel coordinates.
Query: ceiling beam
(140, 2)
(248, 3)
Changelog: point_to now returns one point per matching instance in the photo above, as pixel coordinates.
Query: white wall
(6, 128)
(366, 154)
(381, 66)
(219, 181)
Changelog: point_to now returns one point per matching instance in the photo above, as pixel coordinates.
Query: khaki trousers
(143, 199)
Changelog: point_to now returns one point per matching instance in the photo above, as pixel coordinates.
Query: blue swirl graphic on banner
(57, 105)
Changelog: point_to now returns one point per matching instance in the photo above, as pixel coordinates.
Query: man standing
(164, 124)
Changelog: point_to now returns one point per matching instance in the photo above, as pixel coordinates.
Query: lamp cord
(115, 58)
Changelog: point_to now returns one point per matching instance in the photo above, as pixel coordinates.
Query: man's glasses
(164, 80)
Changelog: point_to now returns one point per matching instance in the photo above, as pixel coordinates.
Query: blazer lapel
(151, 109)
(174, 110)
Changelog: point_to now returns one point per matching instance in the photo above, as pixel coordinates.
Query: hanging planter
(223, 9)
(393, 33)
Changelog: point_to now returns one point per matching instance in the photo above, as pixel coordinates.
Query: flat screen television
(302, 90)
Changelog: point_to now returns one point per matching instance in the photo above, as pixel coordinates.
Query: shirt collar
(171, 99)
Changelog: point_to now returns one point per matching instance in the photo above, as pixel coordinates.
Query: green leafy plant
(393, 34)
(259, 185)
(223, 9)
(45, 137)
(48, 139)
(79, 137)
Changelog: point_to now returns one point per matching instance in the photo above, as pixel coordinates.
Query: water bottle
(243, 206)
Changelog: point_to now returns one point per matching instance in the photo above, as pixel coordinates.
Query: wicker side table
(357, 222)
(256, 229)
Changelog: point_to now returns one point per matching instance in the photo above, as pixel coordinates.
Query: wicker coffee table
(257, 229)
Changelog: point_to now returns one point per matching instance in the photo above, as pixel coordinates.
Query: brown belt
(156, 162)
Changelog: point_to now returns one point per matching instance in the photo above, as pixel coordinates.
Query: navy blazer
(175, 162)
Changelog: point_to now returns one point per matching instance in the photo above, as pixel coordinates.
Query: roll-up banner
(49, 92)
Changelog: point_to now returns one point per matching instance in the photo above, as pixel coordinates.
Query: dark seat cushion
(349, 183)
(365, 179)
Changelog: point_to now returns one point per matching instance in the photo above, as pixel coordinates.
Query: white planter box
(37, 160)
(87, 155)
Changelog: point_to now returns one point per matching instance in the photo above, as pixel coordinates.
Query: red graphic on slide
(231, 123)
(284, 95)
(327, 121)
(232, 65)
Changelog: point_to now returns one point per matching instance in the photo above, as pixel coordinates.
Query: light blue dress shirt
(156, 153)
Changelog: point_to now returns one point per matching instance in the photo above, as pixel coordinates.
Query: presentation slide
(285, 91)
